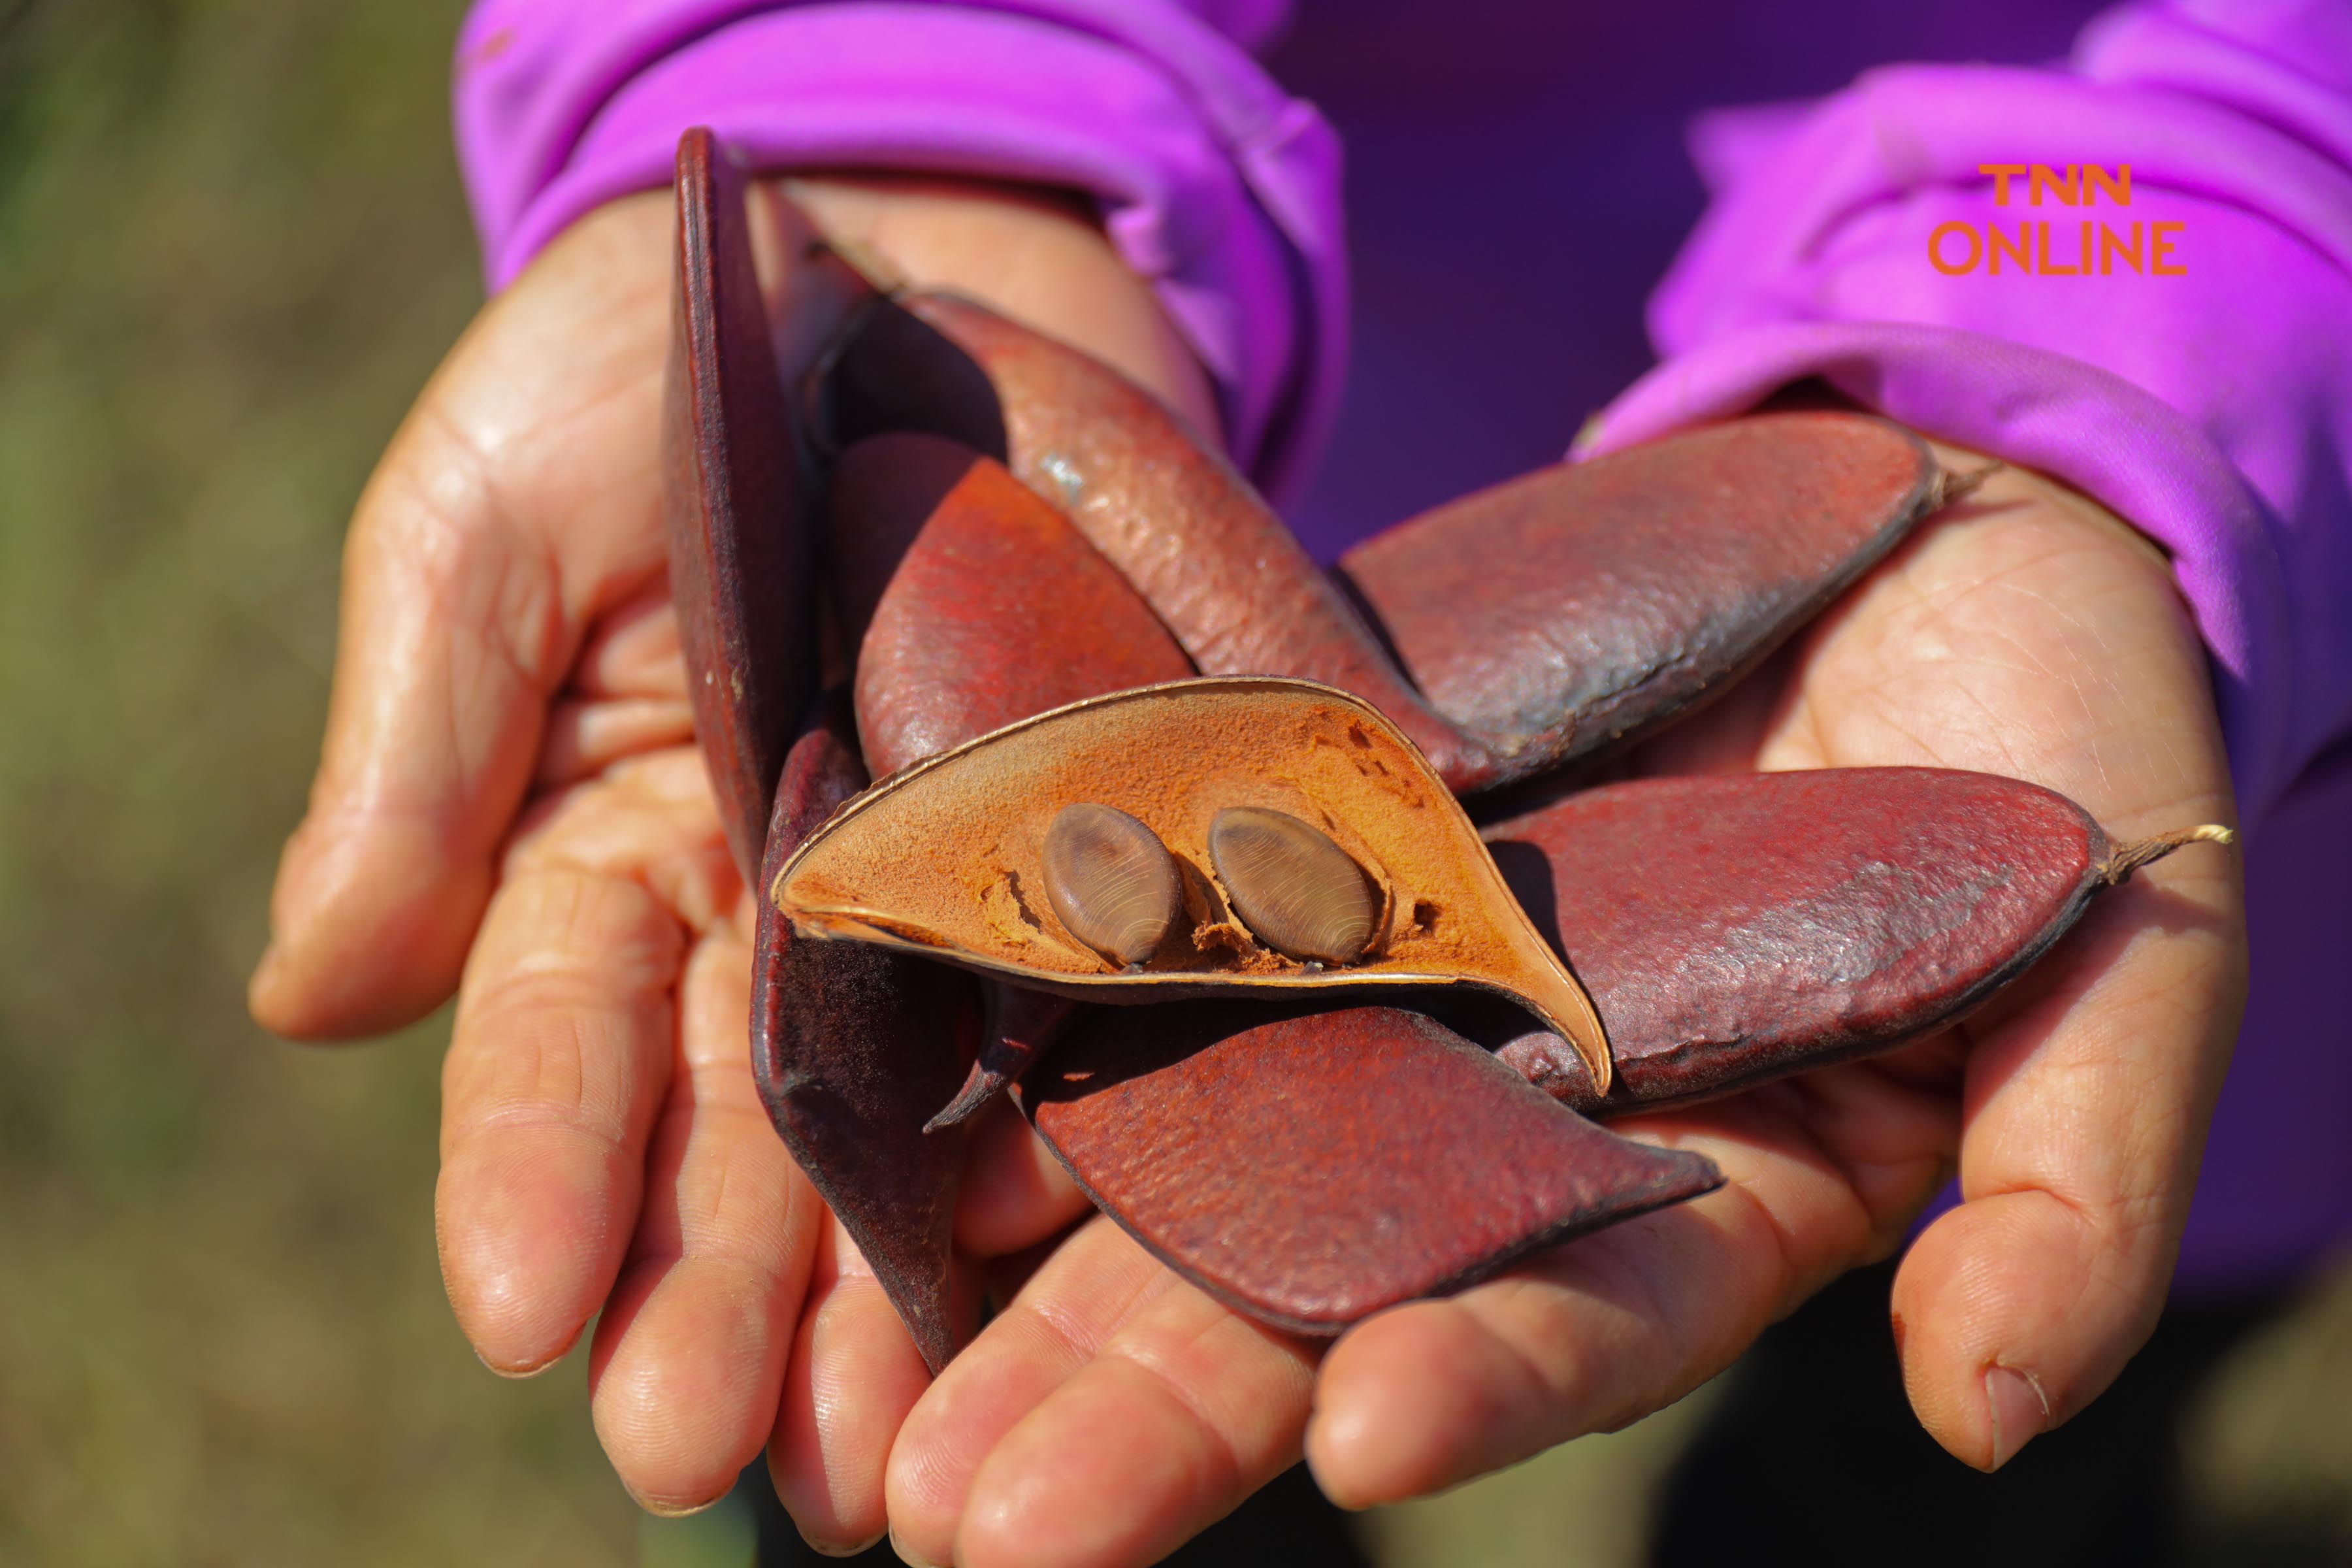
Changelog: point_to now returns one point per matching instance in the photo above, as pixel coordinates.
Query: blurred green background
(232, 246)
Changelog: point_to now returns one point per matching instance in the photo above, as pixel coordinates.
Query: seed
(1111, 881)
(1297, 891)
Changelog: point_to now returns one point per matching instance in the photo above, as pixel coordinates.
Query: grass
(232, 246)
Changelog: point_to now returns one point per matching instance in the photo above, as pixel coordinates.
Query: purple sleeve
(1214, 184)
(2213, 409)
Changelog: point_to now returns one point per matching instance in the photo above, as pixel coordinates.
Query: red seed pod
(972, 602)
(741, 569)
(1310, 1168)
(1228, 578)
(1735, 929)
(852, 1048)
(1583, 605)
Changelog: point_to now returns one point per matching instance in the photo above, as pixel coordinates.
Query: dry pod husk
(742, 572)
(948, 858)
(1581, 604)
(1311, 1167)
(1735, 929)
(1230, 581)
(852, 1049)
(971, 602)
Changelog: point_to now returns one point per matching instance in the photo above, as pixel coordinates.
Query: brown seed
(1111, 881)
(1297, 890)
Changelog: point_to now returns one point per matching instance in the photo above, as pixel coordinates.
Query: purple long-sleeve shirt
(1520, 178)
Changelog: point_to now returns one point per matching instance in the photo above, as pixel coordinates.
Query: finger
(689, 1360)
(1015, 1193)
(853, 1376)
(2088, 1105)
(1599, 1332)
(1109, 1413)
(627, 695)
(516, 503)
(2032, 633)
(558, 1058)
(561, 1051)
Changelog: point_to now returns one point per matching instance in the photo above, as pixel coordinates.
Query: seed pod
(971, 602)
(852, 1048)
(947, 858)
(1580, 606)
(1297, 890)
(742, 571)
(1234, 587)
(1311, 1167)
(1111, 881)
(1736, 929)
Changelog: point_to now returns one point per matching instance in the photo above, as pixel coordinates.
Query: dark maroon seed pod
(741, 573)
(852, 1048)
(971, 602)
(1309, 1168)
(1732, 930)
(1580, 606)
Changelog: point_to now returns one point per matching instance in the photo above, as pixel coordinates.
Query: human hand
(1112, 1410)
(509, 787)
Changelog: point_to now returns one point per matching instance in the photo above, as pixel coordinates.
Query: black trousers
(1813, 1457)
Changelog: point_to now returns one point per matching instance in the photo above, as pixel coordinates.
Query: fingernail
(823, 1548)
(662, 1509)
(267, 972)
(2019, 1409)
(905, 1556)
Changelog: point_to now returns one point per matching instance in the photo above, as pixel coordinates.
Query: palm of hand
(603, 1148)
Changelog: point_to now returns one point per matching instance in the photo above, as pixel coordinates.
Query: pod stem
(2125, 859)
(1953, 487)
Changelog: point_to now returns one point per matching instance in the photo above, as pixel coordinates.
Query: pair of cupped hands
(510, 805)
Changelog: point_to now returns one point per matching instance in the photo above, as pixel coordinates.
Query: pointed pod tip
(977, 1091)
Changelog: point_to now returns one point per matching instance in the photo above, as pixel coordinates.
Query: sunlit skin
(510, 806)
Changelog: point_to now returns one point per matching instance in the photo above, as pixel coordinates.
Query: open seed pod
(949, 859)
